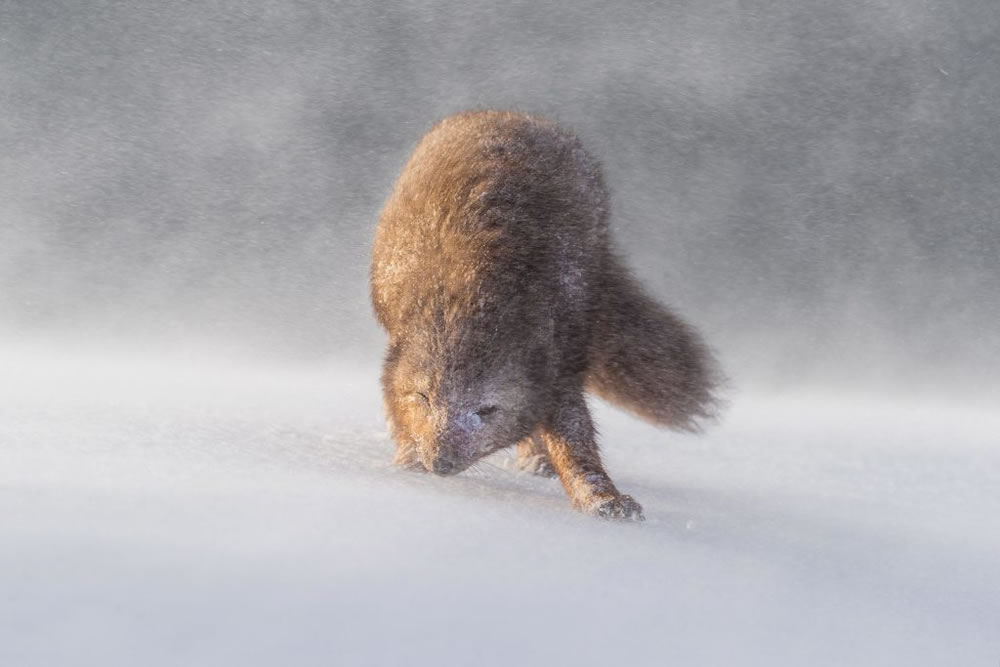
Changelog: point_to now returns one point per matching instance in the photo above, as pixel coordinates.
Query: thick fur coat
(494, 276)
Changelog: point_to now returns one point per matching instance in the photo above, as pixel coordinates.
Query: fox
(505, 303)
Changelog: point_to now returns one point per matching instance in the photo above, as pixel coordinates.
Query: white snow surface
(203, 513)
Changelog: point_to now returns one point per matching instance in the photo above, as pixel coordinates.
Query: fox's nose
(443, 466)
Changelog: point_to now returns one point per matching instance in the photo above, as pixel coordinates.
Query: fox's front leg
(569, 438)
(406, 457)
(406, 451)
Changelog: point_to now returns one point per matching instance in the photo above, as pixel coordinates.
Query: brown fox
(493, 274)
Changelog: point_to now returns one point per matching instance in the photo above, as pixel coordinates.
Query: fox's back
(491, 206)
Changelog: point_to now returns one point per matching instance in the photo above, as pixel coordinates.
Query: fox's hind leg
(532, 457)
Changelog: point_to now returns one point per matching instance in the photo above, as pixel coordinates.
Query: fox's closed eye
(486, 411)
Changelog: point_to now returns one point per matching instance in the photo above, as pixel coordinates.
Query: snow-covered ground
(182, 513)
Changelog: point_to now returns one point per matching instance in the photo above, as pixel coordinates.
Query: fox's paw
(535, 464)
(406, 458)
(620, 507)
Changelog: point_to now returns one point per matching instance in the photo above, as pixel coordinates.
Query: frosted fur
(493, 275)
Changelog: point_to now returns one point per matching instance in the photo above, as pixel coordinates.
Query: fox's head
(452, 404)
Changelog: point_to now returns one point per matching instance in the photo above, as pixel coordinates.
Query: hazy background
(194, 464)
(814, 184)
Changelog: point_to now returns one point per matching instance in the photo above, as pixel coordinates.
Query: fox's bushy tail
(647, 360)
